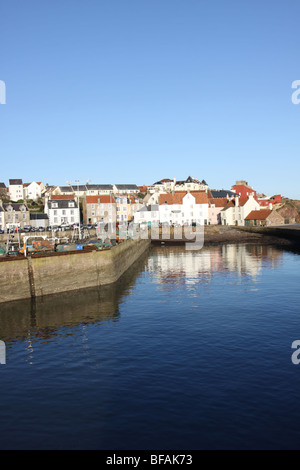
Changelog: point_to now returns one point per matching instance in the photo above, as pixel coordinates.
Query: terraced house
(100, 208)
(14, 213)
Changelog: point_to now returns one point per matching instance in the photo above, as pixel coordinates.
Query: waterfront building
(237, 209)
(100, 208)
(147, 214)
(182, 207)
(14, 213)
(39, 220)
(62, 211)
(214, 210)
(263, 218)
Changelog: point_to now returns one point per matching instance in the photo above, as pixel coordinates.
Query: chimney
(236, 201)
(270, 206)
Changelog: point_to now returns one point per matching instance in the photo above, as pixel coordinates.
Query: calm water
(191, 350)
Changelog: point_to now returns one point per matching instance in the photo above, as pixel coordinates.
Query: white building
(33, 190)
(147, 214)
(62, 211)
(235, 212)
(184, 208)
(16, 189)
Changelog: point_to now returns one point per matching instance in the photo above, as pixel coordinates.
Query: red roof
(219, 202)
(61, 196)
(242, 202)
(100, 199)
(177, 196)
(258, 215)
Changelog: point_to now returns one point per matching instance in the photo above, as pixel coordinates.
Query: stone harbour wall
(35, 277)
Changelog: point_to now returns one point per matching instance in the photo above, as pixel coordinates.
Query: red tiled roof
(219, 202)
(100, 199)
(258, 215)
(177, 196)
(61, 196)
(231, 203)
(243, 200)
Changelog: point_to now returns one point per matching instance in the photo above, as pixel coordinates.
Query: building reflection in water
(178, 266)
(45, 318)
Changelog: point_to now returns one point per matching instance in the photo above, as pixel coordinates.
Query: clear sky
(133, 91)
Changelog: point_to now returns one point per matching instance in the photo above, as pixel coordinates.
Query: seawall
(36, 277)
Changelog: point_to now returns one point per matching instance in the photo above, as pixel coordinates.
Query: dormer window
(54, 204)
(71, 204)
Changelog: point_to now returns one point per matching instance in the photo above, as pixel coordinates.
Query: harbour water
(189, 350)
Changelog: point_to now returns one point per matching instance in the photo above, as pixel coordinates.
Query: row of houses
(67, 208)
(169, 201)
(17, 190)
(205, 208)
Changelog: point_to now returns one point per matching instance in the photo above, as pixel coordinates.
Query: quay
(30, 277)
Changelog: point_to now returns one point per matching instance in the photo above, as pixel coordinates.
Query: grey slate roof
(2, 186)
(15, 182)
(15, 205)
(66, 189)
(38, 216)
(126, 186)
(107, 187)
(62, 204)
(222, 193)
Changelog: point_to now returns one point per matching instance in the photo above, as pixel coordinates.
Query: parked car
(41, 229)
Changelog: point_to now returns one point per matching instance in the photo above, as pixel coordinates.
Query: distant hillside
(289, 209)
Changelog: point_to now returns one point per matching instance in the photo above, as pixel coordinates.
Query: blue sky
(132, 91)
